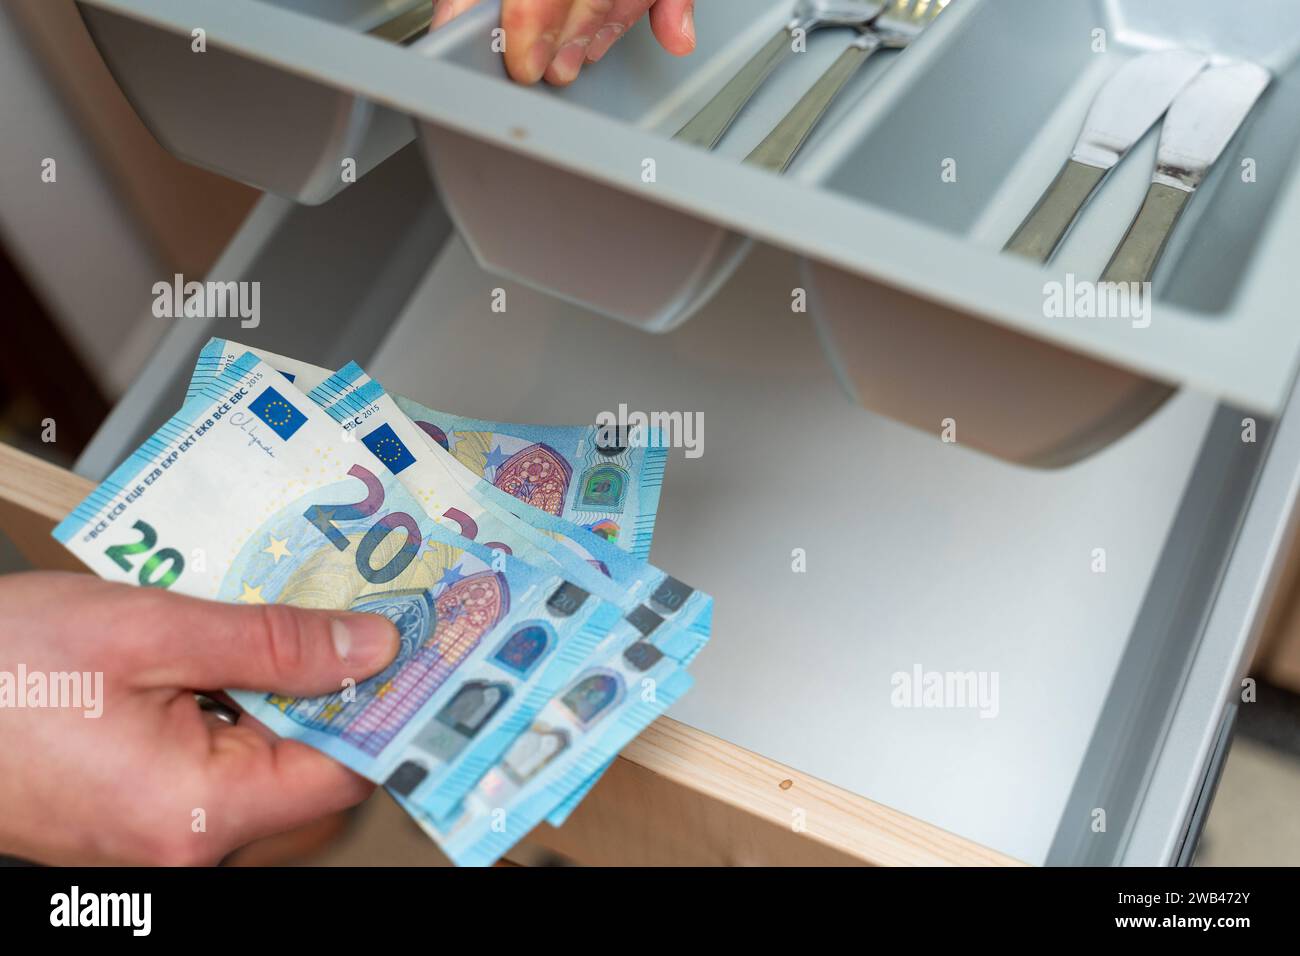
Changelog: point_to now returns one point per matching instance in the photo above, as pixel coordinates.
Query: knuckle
(524, 14)
(284, 638)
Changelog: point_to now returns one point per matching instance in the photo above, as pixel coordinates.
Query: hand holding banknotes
(556, 38)
(536, 641)
(137, 773)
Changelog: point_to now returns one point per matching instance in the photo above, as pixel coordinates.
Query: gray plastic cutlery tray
(581, 193)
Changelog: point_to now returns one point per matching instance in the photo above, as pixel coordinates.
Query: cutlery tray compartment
(1001, 134)
(251, 120)
(1005, 99)
(624, 256)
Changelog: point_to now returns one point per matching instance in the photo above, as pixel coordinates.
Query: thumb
(270, 647)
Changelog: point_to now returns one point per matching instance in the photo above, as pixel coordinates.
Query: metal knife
(1201, 123)
(1126, 107)
(406, 27)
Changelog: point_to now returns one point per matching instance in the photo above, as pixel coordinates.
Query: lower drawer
(1104, 610)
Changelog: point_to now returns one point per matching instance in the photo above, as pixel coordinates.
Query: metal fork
(896, 27)
(707, 127)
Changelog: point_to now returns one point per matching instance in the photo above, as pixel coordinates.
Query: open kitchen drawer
(1116, 689)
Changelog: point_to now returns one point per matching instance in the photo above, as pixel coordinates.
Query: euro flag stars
(388, 448)
(278, 413)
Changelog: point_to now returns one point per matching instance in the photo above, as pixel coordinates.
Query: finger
(444, 11)
(532, 31)
(621, 18)
(271, 647)
(673, 22)
(585, 18)
(270, 786)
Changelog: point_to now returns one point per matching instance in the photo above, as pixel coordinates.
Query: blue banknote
(606, 484)
(363, 409)
(561, 811)
(602, 710)
(256, 480)
(604, 481)
(650, 598)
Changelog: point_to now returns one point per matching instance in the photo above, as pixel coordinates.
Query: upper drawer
(999, 88)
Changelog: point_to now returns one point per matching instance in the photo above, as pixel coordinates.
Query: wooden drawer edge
(679, 796)
(34, 497)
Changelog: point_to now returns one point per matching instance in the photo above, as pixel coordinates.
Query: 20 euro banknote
(563, 749)
(583, 474)
(360, 405)
(251, 496)
(472, 740)
(605, 481)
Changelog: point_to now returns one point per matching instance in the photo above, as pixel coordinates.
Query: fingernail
(442, 12)
(688, 24)
(605, 38)
(564, 68)
(364, 640)
(540, 57)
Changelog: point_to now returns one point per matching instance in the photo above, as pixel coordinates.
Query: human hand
(127, 787)
(556, 38)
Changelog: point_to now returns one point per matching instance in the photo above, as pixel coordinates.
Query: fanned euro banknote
(533, 647)
(257, 483)
(580, 473)
(603, 480)
(543, 767)
(423, 463)
(651, 599)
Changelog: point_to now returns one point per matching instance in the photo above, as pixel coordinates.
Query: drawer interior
(331, 277)
(918, 553)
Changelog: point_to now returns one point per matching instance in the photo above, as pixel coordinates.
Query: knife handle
(780, 146)
(707, 127)
(1045, 227)
(1135, 259)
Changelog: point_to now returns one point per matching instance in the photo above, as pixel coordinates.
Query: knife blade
(405, 27)
(1128, 105)
(1201, 122)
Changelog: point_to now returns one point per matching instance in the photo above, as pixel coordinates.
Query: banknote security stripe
(338, 385)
